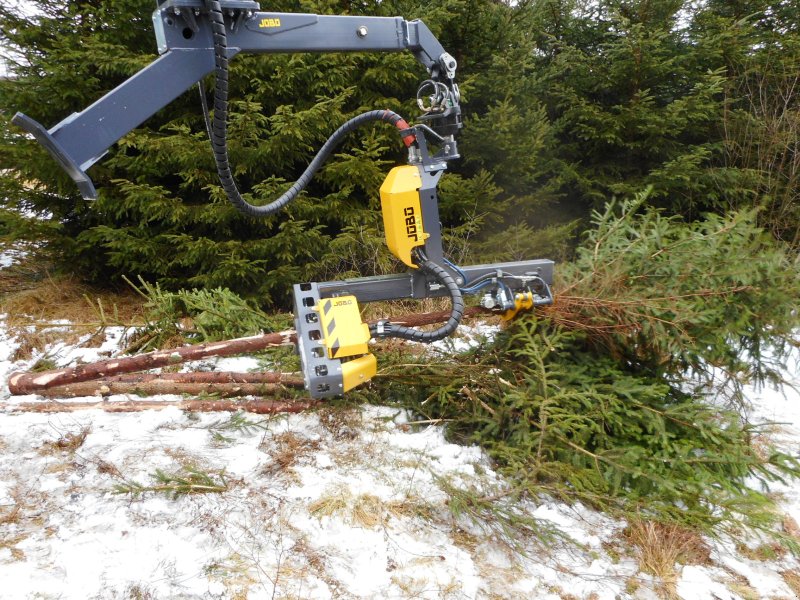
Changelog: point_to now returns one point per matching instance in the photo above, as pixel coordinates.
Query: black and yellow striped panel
(342, 329)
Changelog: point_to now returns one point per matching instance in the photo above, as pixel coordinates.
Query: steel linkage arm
(186, 46)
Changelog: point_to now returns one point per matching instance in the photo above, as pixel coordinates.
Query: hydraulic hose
(387, 329)
(219, 129)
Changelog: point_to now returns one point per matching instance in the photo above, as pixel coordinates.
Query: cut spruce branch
(261, 407)
(29, 383)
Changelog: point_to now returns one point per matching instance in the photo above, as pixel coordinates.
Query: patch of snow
(349, 504)
(467, 337)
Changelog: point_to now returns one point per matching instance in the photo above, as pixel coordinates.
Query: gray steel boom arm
(187, 54)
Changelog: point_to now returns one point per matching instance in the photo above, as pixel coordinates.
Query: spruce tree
(161, 213)
(629, 101)
(757, 46)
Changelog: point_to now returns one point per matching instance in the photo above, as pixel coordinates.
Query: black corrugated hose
(219, 144)
(387, 329)
(219, 129)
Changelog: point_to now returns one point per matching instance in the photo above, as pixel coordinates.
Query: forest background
(567, 105)
(650, 147)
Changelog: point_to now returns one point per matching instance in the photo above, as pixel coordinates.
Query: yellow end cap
(522, 301)
(358, 371)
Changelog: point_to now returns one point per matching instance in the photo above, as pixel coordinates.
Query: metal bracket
(201, 6)
(322, 375)
(186, 45)
(414, 285)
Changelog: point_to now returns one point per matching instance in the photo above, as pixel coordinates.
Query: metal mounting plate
(200, 5)
(322, 375)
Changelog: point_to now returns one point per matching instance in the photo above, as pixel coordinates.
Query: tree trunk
(262, 407)
(157, 387)
(28, 383)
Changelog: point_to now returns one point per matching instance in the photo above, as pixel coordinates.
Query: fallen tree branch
(29, 383)
(158, 387)
(435, 317)
(262, 407)
(213, 377)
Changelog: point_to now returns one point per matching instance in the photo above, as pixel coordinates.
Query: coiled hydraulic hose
(387, 329)
(219, 129)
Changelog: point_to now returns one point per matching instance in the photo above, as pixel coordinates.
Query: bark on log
(28, 383)
(286, 379)
(435, 317)
(262, 407)
(157, 387)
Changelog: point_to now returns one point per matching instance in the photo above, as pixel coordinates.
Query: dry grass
(343, 423)
(363, 510)
(137, 591)
(763, 552)
(411, 507)
(464, 539)
(792, 579)
(791, 527)
(234, 572)
(330, 504)
(10, 543)
(743, 589)
(27, 514)
(67, 442)
(398, 308)
(289, 449)
(367, 511)
(108, 468)
(660, 547)
(64, 297)
(11, 513)
(37, 303)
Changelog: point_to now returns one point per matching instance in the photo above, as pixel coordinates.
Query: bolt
(361, 31)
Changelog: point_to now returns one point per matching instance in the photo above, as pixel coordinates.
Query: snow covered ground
(334, 503)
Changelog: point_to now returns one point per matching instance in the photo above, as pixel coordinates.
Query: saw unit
(198, 37)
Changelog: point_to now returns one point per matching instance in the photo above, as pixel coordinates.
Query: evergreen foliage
(161, 214)
(567, 104)
(188, 480)
(196, 316)
(707, 298)
(758, 46)
(592, 399)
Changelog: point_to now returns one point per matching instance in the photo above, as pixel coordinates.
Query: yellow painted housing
(344, 334)
(402, 212)
(522, 301)
(358, 371)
